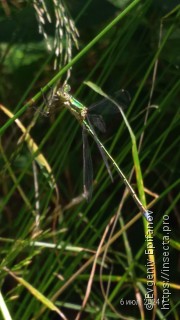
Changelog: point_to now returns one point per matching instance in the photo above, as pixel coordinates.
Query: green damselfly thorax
(64, 99)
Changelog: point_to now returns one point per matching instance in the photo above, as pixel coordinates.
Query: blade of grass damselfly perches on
(80, 112)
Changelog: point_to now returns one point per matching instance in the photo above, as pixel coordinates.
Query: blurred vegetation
(46, 237)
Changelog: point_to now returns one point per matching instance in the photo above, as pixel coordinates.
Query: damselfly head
(63, 92)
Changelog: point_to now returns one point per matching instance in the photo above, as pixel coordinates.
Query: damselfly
(81, 113)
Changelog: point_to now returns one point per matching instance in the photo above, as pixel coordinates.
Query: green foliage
(49, 235)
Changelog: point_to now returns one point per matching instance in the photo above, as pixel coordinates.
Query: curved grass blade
(146, 213)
